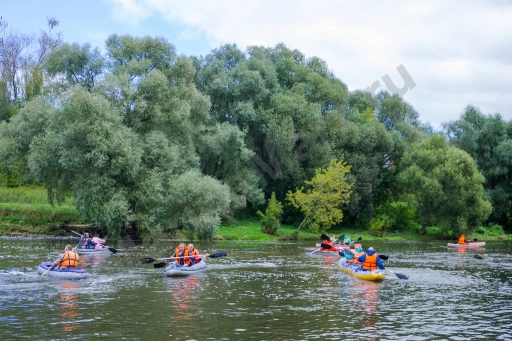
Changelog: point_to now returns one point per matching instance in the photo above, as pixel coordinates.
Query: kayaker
(96, 239)
(333, 239)
(359, 253)
(370, 260)
(347, 240)
(350, 256)
(66, 259)
(85, 242)
(463, 240)
(181, 255)
(194, 255)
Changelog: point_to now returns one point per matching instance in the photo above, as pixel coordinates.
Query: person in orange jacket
(181, 255)
(66, 259)
(370, 260)
(463, 240)
(194, 255)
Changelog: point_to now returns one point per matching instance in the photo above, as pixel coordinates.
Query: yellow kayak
(355, 270)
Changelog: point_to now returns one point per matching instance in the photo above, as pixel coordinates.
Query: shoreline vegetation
(25, 212)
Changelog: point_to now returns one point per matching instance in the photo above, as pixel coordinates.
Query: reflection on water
(260, 291)
(184, 302)
(69, 306)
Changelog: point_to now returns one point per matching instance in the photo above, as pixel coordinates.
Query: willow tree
(322, 200)
(444, 186)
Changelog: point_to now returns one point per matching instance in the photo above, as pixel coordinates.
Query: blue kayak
(65, 273)
(174, 270)
(91, 251)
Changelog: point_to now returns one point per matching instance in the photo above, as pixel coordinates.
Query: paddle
(401, 276)
(111, 249)
(49, 268)
(315, 251)
(149, 260)
(324, 237)
(325, 246)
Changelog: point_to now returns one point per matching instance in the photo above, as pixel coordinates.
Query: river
(259, 291)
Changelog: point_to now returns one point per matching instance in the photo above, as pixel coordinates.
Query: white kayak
(104, 249)
(174, 270)
(65, 273)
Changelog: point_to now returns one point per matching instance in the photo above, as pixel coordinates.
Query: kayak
(332, 251)
(174, 270)
(355, 270)
(66, 273)
(91, 251)
(475, 244)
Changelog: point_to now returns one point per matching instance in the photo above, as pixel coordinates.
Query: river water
(260, 291)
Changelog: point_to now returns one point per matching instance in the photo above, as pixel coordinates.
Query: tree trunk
(423, 229)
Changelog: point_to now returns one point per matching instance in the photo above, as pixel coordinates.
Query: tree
(488, 139)
(444, 186)
(271, 220)
(322, 201)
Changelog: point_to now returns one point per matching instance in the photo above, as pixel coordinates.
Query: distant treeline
(145, 139)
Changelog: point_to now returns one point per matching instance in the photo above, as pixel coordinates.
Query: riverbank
(24, 211)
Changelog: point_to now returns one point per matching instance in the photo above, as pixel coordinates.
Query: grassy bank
(25, 211)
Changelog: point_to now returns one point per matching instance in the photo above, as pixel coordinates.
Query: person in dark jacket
(85, 242)
(370, 260)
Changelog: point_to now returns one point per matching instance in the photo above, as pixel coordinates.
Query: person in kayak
(194, 255)
(463, 240)
(370, 260)
(66, 259)
(96, 239)
(347, 240)
(181, 254)
(359, 252)
(333, 239)
(85, 242)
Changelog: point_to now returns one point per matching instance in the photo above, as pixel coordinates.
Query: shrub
(270, 221)
(379, 225)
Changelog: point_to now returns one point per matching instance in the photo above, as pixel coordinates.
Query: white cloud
(456, 52)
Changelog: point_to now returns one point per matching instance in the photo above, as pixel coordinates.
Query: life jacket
(356, 256)
(182, 260)
(370, 262)
(84, 243)
(70, 260)
(329, 242)
(462, 240)
(196, 258)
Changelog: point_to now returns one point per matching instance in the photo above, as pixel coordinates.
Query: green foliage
(271, 220)
(490, 230)
(444, 186)
(380, 225)
(322, 201)
(401, 215)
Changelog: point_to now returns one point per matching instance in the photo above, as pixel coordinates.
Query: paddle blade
(324, 237)
(348, 252)
(401, 276)
(325, 246)
(475, 239)
(341, 237)
(147, 260)
(66, 228)
(383, 257)
(159, 265)
(359, 239)
(111, 249)
(341, 253)
(222, 253)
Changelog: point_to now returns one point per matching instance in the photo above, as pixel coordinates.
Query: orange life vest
(85, 243)
(370, 262)
(356, 256)
(195, 253)
(70, 260)
(183, 260)
(462, 240)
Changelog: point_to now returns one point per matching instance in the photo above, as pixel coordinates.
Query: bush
(270, 221)
(379, 225)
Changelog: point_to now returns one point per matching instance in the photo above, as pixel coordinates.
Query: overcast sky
(456, 52)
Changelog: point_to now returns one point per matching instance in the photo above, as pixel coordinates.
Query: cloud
(455, 52)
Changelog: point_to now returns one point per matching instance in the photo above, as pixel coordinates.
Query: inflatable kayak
(331, 251)
(475, 244)
(355, 270)
(104, 249)
(66, 273)
(174, 270)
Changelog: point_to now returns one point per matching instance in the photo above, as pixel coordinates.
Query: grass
(25, 210)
